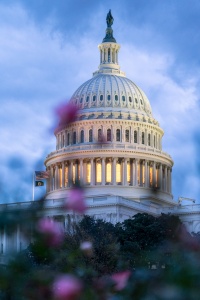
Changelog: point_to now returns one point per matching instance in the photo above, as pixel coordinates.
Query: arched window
(108, 98)
(101, 97)
(136, 101)
(123, 98)
(87, 99)
(94, 98)
(127, 135)
(90, 136)
(81, 100)
(135, 136)
(74, 137)
(118, 135)
(68, 139)
(116, 97)
(109, 135)
(82, 136)
(149, 139)
(143, 138)
(99, 135)
(130, 99)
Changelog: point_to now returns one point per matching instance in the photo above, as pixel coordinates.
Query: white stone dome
(116, 92)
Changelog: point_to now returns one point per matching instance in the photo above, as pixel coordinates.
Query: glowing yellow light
(118, 173)
(98, 172)
(73, 173)
(60, 177)
(108, 172)
(88, 173)
(128, 172)
(66, 176)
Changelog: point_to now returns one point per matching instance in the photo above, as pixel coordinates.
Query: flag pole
(33, 185)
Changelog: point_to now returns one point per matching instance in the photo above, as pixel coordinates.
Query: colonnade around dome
(110, 171)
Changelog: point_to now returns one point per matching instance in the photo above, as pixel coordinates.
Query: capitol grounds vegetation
(144, 257)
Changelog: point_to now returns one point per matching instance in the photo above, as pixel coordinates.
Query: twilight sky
(49, 48)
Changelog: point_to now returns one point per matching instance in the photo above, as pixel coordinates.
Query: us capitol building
(115, 149)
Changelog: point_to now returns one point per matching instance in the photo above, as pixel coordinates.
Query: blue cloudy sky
(49, 48)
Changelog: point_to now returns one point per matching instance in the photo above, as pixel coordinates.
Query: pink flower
(87, 248)
(51, 230)
(76, 200)
(120, 279)
(67, 113)
(66, 287)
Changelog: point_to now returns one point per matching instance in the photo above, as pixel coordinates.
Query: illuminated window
(66, 176)
(157, 173)
(99, 135)
(118, 135)
(118, 172)
(90, 136)
(123, 98)
(98, 171)
(74, 137)
(142, 137)
(88, 173)
(101, 97)
(68, 139)
(135, 136)
(79, 176)
(60, 177)
(109, 135)
(150, 175)
(149, 139)
(108, 172)
(108, 97)
(128, 172)
(82, 136)
(143, 173)
(116, 97)
(73, 173)
(138, 173)
(127, 135)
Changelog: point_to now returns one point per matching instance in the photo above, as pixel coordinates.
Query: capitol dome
(114, 148)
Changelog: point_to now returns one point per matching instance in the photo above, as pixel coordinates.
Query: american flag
(41, 175)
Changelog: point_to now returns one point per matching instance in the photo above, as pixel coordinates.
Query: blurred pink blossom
(66, 287)
(87, 248)
(51, 230)
(76, 200)
(120, 279)
(66, 113)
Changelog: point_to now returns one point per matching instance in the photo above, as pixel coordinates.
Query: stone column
(56, 177)
(52, 184)
(138, 136)
(146, 173)
(145, 138)
(63, 175)
(136, 172)
(132, 173)
(165, 189)
(124, 166)
(114, 171)
(92, 171)
(160, 177)
(154, 174)
(81, 170)
(103, 179)
(70, 172)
